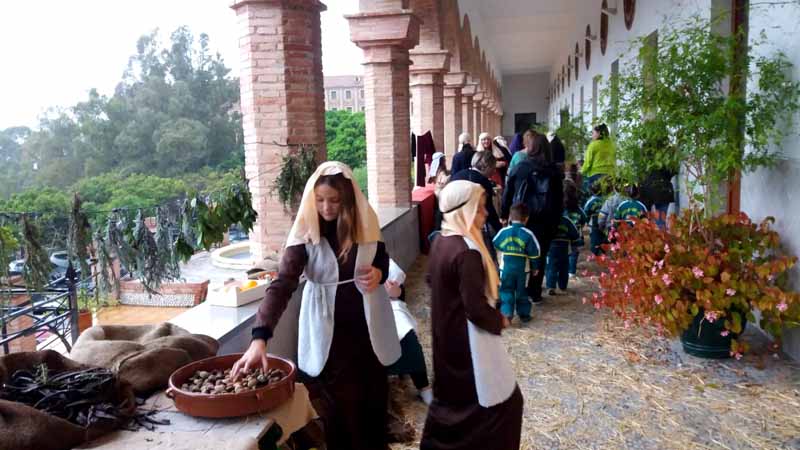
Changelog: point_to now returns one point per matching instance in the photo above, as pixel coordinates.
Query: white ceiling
(522, 36)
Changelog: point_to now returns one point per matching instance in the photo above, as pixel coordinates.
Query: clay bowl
(230, 405)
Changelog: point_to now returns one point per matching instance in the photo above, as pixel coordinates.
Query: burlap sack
(142, 355)
(25, 428)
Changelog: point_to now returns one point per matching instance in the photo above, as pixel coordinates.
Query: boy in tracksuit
(558, 257)
(574, 213)
(630, 208)
(592, 209)
(518, 254)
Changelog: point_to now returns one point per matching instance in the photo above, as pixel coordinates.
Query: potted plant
(704, 278)
(703, 291)
(87, 306)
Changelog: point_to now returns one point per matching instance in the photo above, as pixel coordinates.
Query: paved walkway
(589, 383)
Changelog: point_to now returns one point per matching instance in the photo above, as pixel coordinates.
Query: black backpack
(534, 192)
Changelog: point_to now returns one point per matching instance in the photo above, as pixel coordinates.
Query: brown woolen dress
(455, 419)
(351, 392)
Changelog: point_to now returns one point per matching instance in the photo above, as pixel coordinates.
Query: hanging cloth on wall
(425, 150)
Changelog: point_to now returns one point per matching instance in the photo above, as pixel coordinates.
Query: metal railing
(53, 311)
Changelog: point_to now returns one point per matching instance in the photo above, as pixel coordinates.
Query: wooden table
(186, 432)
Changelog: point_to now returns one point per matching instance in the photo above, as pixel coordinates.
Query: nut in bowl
(204, 389)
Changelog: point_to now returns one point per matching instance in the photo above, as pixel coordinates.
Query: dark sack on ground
(25, 428)
(142, 355)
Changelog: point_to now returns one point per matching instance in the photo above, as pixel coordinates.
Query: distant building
(344, 92)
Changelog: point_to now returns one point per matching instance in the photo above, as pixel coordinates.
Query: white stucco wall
(766, 192)
(650, 15)
(524, 94)
(776, 192)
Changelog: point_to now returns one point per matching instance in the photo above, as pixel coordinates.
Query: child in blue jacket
(518, 254)
(574, 213)
(558, 256)
(597, 236)
(630, 208)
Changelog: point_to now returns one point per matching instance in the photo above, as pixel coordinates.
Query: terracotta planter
(84, 321)
(704, 339)
(230, 405)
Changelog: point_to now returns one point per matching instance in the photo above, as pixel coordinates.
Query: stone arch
(466, 45)
(430, 30)
(451, 36)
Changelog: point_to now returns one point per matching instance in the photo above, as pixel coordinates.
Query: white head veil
(463, 138)
(306, 225)
(435, 163)
(459, 202)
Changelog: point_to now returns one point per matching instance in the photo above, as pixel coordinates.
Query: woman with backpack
(537, 182)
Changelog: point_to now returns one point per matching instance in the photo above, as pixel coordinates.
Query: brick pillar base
(282, 101)
(386, 37)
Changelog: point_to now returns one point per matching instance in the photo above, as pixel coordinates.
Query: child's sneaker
(573, 276)
(525, 319)
(552, 292)
(563, 292)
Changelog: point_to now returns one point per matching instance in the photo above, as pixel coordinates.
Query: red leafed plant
(724, 267)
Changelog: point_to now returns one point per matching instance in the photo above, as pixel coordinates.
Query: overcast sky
(54, 51)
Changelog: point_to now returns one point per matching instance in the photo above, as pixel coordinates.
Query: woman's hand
(255, 357)
(393, 289)
(368, 278)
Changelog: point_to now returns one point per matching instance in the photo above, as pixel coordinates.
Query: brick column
(427, 92)
(386, 35)
(486, 123)
(453, 124)
(282, 99)
(477, 110)
(467, 114)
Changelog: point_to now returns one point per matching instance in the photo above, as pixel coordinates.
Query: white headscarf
(306, 225)
(463, 138)
(435, 162)
(459, 202)
(499, 141)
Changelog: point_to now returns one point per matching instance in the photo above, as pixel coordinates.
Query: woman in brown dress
(346, 330)
(476, 404)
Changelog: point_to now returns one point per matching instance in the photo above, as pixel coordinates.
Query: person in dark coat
(558, 150)
(538, 166)
(342, 358)
(516, 144)
(656, 191)
(463, 159)
(483, 166)
(476, 401)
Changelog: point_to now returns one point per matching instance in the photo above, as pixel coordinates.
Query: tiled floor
(135, 315)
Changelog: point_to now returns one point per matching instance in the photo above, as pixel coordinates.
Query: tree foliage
(173, 113)
(346, 137)
(672, 108)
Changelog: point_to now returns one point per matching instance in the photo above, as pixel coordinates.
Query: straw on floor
(590, 383)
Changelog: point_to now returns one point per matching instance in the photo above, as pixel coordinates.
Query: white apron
(494, 376)
(315, 329)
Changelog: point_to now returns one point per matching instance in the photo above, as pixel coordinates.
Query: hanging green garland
(296, 168)
(37, 263)
(78, 237)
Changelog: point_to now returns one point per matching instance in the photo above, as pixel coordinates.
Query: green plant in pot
(682, 103)
(87, 306)
(703, 291)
